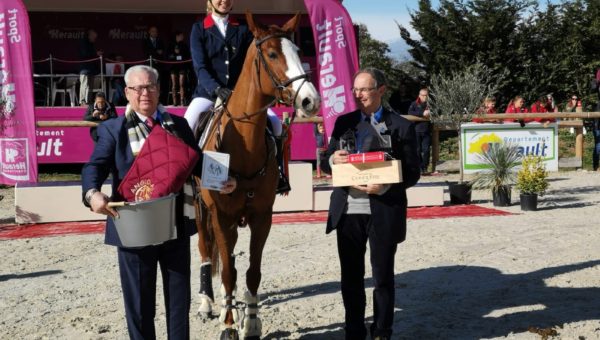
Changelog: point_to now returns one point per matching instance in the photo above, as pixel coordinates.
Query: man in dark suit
(374, 212)
(118, 142)
(153, 47)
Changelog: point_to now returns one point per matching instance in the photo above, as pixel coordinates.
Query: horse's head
(279, 69)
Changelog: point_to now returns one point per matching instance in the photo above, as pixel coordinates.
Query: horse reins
(281, 87)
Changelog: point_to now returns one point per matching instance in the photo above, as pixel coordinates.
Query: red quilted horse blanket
(161, 168)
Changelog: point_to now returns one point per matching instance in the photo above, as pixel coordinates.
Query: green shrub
(533, 177)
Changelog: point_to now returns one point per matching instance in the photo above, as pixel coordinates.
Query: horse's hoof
(254, 337)
(204, 316)
(229, 334)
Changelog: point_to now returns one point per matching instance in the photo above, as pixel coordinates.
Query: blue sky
(379, 15)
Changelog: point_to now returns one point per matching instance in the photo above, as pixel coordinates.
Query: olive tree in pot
(500, 160)
(454, 99)
(532, 180)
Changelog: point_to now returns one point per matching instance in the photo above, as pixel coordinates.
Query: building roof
(161, 6)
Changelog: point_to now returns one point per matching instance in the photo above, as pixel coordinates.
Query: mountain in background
(399, 49)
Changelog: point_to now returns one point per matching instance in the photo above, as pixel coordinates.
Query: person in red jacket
(543, 105)
(487, 107)
(517, 105)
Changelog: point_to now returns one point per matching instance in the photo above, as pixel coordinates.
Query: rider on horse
(218, 46)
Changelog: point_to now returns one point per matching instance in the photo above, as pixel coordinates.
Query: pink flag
(337, 57)
(18, 162)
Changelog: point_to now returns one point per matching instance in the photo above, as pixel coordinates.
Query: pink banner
(337, 57)
(64, 145)
(18, 161)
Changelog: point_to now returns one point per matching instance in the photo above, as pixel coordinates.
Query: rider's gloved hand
(223, 93)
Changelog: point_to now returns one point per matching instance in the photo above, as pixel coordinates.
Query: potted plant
(454, 99)
(500, 160)
(532, 180)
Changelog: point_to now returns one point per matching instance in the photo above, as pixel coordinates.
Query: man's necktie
(150, 122)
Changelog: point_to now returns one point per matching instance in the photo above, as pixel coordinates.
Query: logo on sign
(14, 162)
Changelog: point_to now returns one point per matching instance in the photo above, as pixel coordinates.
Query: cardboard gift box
(348, 174)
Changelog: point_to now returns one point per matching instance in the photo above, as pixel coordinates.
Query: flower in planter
(533, 177)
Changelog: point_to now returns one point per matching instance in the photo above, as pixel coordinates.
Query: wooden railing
(577, 124)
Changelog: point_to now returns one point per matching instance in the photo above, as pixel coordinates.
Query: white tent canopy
(161, 6)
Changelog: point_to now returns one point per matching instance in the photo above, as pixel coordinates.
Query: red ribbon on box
(367, 157)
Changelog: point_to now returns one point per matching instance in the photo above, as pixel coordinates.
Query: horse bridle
(281, 87)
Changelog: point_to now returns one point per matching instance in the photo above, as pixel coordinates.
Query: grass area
(59, 172)
(566, 147)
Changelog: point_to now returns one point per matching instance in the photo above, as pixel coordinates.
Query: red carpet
(54, 229)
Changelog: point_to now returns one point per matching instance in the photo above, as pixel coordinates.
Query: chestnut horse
(272, 73)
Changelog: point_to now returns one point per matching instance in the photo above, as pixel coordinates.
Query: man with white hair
(119, 141)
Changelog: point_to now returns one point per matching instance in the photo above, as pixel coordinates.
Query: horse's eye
(272, 55)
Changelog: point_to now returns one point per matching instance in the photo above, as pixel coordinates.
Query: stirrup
(283, 184)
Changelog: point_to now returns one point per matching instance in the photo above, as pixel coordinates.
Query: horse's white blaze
(308, 99)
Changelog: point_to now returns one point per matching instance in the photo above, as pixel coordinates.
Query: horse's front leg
(226, 237)
(260, 226)
(205, 247)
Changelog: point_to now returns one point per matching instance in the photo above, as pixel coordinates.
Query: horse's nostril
(306, 102)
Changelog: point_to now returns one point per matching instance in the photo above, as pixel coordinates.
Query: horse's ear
(255, 27)
(292, 24)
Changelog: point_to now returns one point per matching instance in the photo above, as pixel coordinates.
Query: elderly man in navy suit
(118, 142)
(376, 212)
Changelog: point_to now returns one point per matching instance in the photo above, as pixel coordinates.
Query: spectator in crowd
(420, 108)
(573, 105)
(517, 106)
(153, 47)
(543, 105)
(373, 213)
(99, 111)
(178, 54)
(596, 153)
(88, 69)
(321, 145)
(487, 107)
(116, 82)
(598, 84)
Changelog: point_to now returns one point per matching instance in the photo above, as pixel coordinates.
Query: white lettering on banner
(7, 90)
(49, 133)
(13, 32)
(340, 39)
(116, 33)
(335, 99)
(50, 147)
(59, 35)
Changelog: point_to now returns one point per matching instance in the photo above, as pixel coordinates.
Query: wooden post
(579, 143)
(435, 147)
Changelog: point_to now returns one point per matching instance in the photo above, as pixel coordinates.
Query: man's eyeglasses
(140, 88)
(363, 90)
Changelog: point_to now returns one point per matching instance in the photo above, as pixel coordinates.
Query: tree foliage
(454, 98)
(542, 49)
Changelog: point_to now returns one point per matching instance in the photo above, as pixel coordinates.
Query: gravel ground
(456, 278)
